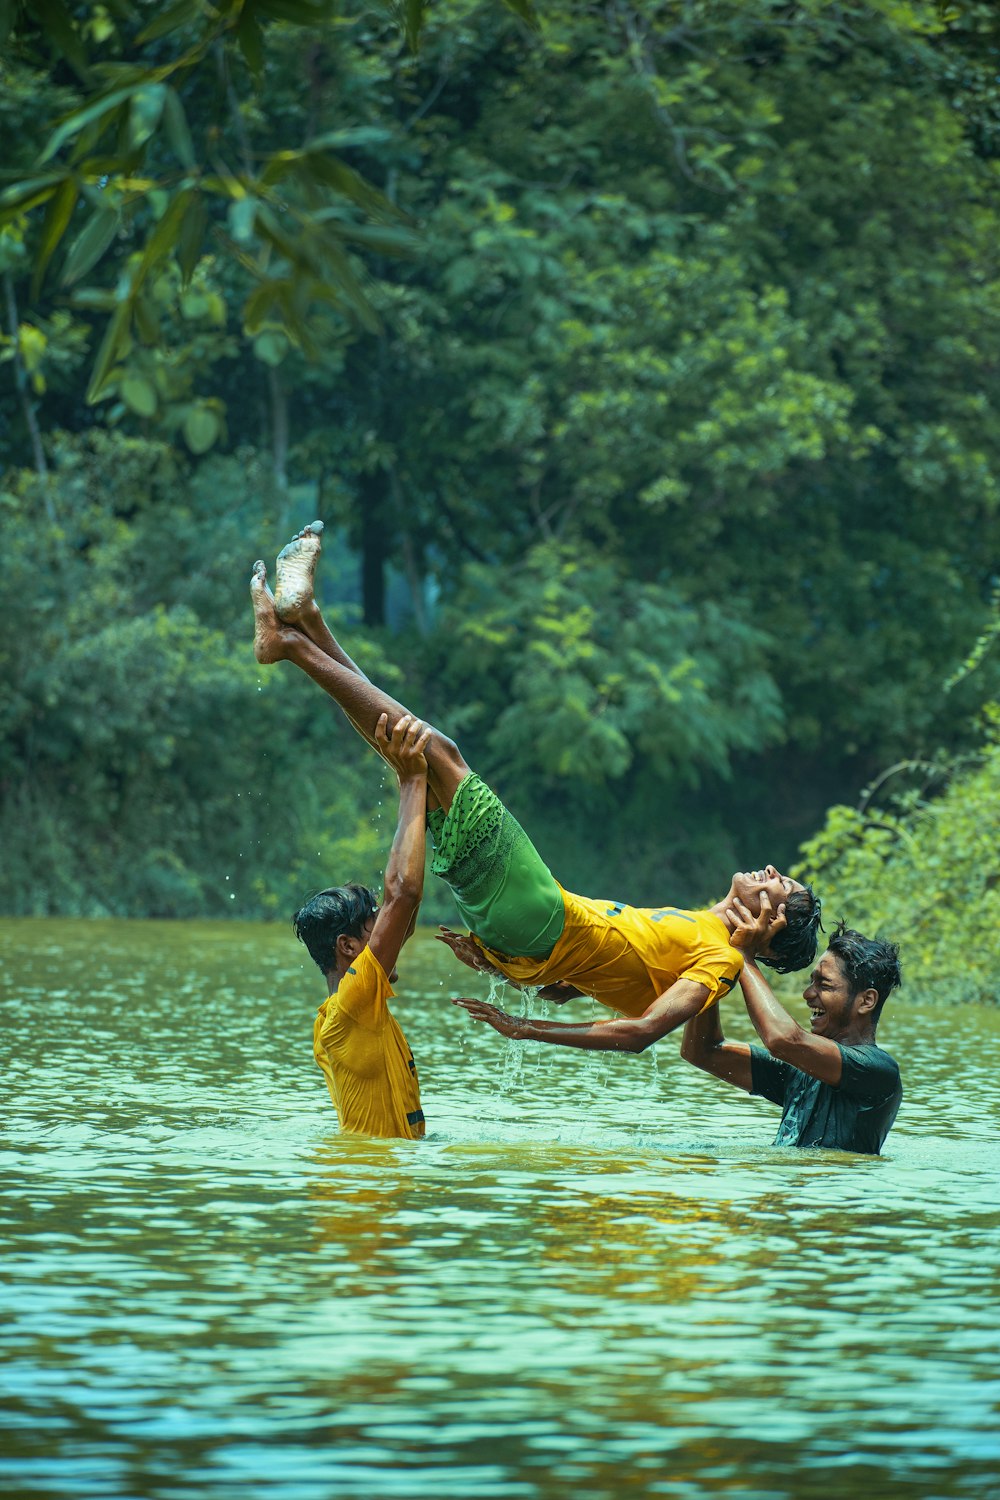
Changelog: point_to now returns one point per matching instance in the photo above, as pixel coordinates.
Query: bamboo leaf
(299, 12)
(57, 26)
(251, 42)
(90, 114)
(191, 237)
(172, 17)
(413, 21)
(145, 112)
(178, 134)
(116, 338)
(526, 10)
(164, 237)
(258, 305)
(147, 324)
(24, 195)
(90, 244)
(54, 226)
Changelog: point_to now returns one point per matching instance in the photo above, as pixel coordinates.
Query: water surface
(594, 1278)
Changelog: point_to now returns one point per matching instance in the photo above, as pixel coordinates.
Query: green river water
(594, 1278)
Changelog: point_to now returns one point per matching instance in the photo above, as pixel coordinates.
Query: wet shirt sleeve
(768, 1077)
(869, 1073)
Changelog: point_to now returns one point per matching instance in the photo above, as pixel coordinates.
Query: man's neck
(856, 1036)
(719, 910)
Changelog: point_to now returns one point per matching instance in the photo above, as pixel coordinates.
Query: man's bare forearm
(404, 870)
(625, 1035)
(701, 1036)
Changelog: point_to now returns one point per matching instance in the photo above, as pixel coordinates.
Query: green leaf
(384, 240)
(251, 42)
(242, 214)
(147, 324)
(165, 236)
(57, 26)
(191, 236)
(413, 21)
(172, 17)
(7, 9)
(299, 12)
(271, 346)
(57, 217)
(116, 338)
(525, 10)
(258, 305)
(90, 244)
(145, 112)
(201, 429)
(24, 196)
(94, 111)
(139, 395)
(178, 134)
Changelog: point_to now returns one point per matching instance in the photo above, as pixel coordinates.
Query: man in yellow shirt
(657, 967)
(357, 1041)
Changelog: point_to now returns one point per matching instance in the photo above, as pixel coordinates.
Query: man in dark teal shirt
(837, 1088)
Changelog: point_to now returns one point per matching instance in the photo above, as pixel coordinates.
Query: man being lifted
(657, 967)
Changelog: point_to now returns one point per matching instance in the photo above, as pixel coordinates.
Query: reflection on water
(595, 1277)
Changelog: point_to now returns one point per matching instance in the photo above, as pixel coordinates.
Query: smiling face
(832, 1006)
(748, 884)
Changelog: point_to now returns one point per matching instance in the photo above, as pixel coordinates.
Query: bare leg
(359, 698)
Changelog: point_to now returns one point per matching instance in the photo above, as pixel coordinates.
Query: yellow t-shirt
(368, 1066)
(626, 956)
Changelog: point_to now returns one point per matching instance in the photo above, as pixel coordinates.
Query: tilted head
(346, 911)
(794, 947)
(854, 978)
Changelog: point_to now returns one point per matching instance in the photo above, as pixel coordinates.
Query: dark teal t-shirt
(856, 1115)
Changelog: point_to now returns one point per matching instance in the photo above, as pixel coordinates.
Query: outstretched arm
(627, 1034)
(404, 870)
(704, 1046)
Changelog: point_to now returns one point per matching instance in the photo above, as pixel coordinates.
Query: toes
(259, 575)
(315, 527)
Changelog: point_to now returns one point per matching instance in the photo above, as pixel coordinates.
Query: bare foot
(271, 638)
(296, 564)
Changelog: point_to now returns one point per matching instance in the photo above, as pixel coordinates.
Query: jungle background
(642, 362)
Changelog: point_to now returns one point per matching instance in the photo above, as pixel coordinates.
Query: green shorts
(503, 889)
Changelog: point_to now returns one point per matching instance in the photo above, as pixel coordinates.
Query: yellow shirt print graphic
(368, 1067)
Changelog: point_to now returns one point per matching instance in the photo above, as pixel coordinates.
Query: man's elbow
(692, 1053)
(404, 890)
(783, 1042)
(637, 1040)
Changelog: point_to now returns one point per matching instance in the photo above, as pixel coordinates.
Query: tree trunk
(374, 545)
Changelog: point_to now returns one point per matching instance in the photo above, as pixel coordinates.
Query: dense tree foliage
(641, 364)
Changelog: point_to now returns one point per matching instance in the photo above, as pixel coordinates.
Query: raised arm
(404, 870)
(704, 1046)
(627, 1034)
(782, 1035)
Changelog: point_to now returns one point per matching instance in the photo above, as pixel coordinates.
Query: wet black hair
(868, 963)
(341, 911)
(794, 947)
